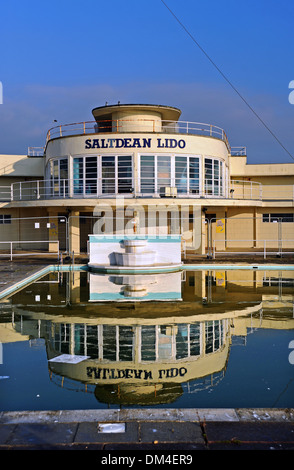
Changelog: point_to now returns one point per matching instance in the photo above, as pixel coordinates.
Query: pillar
(74, 232)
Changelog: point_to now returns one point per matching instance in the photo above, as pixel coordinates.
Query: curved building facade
(137, 151)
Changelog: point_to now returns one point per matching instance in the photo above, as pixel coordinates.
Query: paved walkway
(148, 430)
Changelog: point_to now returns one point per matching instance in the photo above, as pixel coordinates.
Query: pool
(210, 337)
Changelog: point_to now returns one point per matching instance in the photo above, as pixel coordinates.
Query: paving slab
(252, 433)
(89, 432)
(42, 434)
(6, 432)
(171, 432)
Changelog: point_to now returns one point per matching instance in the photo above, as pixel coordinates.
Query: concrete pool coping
(148, 430)
(150, 414)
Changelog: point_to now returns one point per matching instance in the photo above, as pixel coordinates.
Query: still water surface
(80, 340)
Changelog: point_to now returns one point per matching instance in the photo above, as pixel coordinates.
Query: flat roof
(168, 113)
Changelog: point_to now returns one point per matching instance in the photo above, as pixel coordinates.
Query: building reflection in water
(102, 338)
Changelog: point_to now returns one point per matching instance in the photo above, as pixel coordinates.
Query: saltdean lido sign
(134, 143)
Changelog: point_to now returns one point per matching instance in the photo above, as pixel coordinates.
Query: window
(91, 174)
(78, 175)
(108, 175)
(181, 174)
(5, 219)
(163, 173)
(187, 174)
(278, 217)
(160, 171)
(118, 343)
(148, 343)
(188, 340)
(85, 174)
(58, 174)
(194, 186)
(117, 174)
(155, 173)
(213, 179)
(214, 331)
(147, 174)
(124, 173)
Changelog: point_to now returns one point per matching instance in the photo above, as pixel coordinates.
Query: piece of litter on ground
(111, 427)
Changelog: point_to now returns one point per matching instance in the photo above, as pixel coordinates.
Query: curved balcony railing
(138, 125)
(100, 188)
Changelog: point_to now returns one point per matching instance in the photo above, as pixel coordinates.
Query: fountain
(134, 254)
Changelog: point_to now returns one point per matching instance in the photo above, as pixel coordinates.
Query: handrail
(18, 242)
(261, 251)
(238, 151)
(94, 188)
(135, 125)
(36, 151)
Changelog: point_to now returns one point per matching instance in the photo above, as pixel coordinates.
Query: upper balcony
(139, 125)
(71, 189)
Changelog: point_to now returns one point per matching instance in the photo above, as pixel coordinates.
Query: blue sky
(59, 60)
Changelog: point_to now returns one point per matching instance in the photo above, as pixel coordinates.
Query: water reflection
(146, 340)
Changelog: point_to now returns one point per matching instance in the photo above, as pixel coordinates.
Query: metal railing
(130, 187)
(270, 247)
(36, 151)
(228, 236)
(246, 190)
(238, 151)
(12, 252)
(59, 235)
(138, 125)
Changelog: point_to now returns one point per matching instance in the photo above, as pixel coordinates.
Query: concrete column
(74, 232)
(220, 230)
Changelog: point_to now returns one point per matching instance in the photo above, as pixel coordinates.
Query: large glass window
(147, 174)
(91, 174)
(58, 173)
(181, 174)
(85, 174)
(148, 343)
(117, 174)
(108, 175)
(187, 174)
(213, 177)
(163, 174)
(155, 174)
(160, 171)
(125, 173)
(78, 175)
(214, 335)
